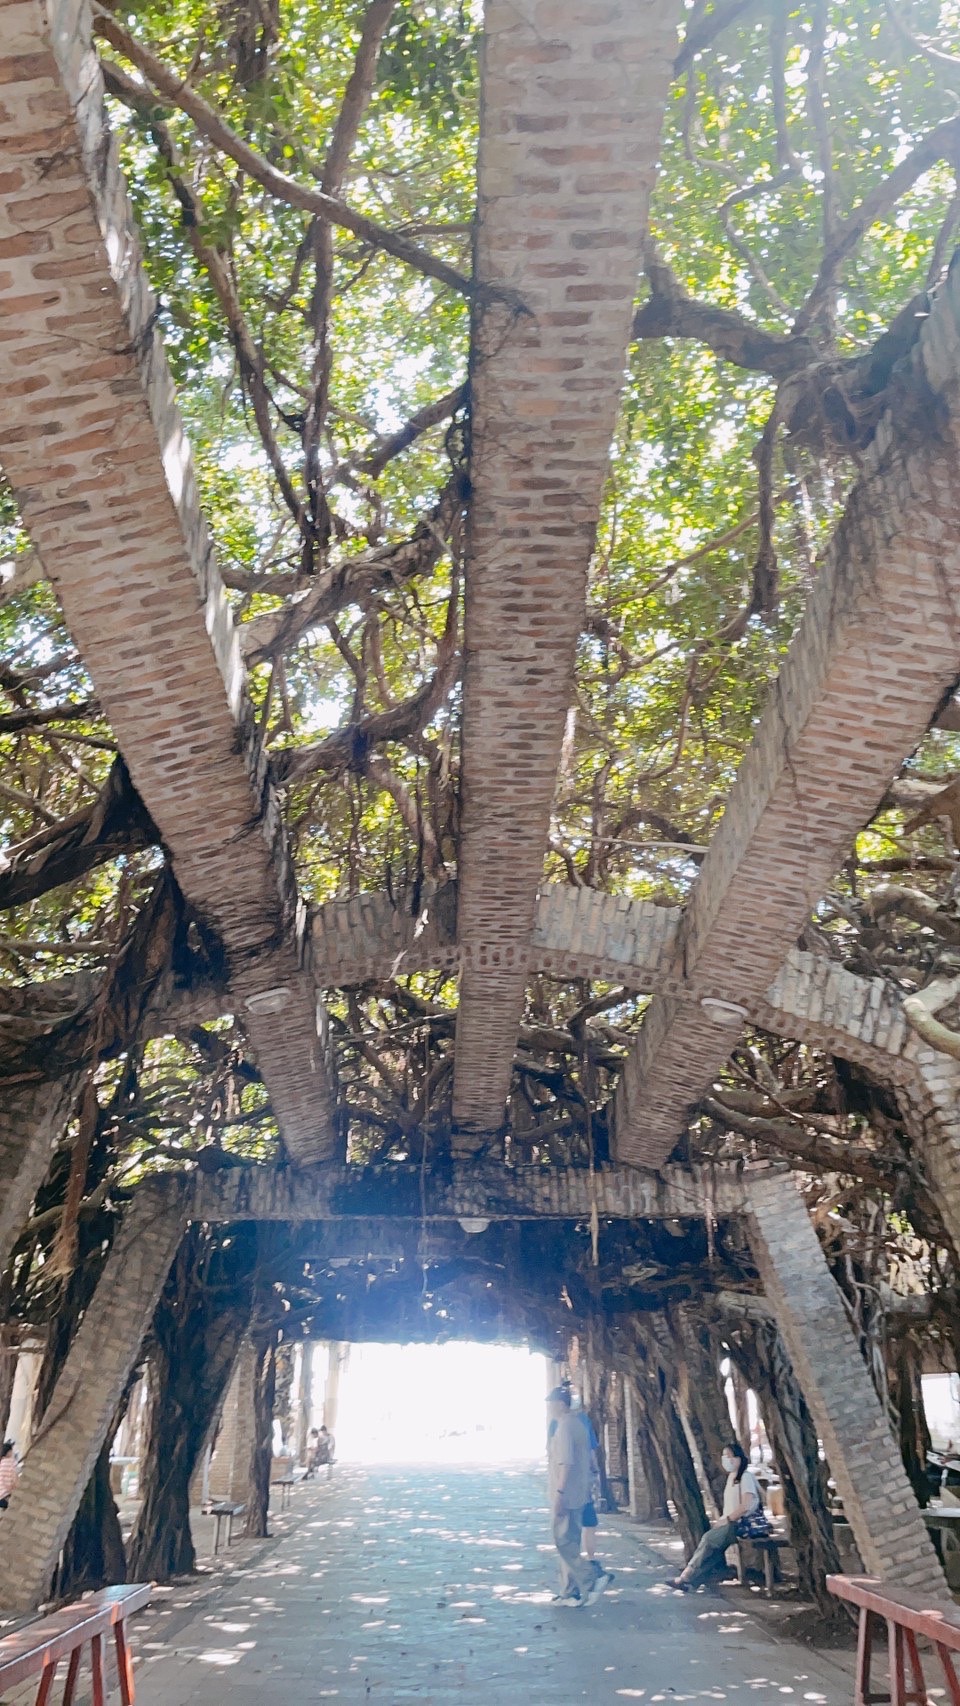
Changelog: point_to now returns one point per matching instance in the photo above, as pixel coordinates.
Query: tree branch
(211, 125)
(706, 27)
(347, 748)
(941, 143)
(116, 822)
(21, 722)
(357, 579)
(819, 1151)
(671, 312)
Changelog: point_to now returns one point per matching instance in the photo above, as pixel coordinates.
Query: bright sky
(453, 1403)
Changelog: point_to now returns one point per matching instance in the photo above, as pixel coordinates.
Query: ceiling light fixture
(723, 1012)
(269, 1000)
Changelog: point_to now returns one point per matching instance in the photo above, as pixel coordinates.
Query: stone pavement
(397, 1584)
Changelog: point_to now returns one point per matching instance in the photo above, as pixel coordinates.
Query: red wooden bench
(907, 1614)
(37, 1648)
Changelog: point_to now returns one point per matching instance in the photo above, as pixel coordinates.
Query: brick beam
(32, 1121)
(93, 445)
(59, 1463)
(878, 1500)
(881, 627)
(573, 94)
(471, 1192)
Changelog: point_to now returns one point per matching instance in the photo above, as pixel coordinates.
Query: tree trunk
(197, 1329)
(762, 1356)
(93, 1556)
(283, 1403)
(701, 1396)
(658, 1415)
(741, 1401)
(652, 1471)
(264, 1398)
(907, 1395)
(8, 1373)
(606, 1418)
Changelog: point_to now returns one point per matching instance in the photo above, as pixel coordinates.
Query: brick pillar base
(69, 1439)
(230, 1465)
(861, 1450)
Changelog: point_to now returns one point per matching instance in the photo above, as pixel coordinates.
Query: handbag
(755, 1526)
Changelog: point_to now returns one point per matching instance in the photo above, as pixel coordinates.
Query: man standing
(568, 1460)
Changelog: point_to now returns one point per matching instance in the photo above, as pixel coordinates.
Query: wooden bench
(37, 1648)
(770, 1548)
(907, 1614)
(224, 1512)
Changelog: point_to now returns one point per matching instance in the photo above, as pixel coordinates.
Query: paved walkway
(434, 1586)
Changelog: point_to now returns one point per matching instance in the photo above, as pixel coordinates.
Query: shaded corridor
(434, 1586)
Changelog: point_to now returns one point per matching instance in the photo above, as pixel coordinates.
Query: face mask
(728, 1463)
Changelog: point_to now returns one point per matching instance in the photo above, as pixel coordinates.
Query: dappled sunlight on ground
(405, 1584)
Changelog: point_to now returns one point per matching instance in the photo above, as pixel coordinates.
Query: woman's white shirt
(745, 1490)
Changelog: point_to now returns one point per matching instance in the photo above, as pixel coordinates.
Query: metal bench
(224, 1512)
(907, 1615)
(285, 1483)
(36, 1649)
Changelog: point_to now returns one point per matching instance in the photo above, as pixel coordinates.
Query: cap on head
(559, 1395)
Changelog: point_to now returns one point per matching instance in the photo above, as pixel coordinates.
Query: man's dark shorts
(589, 1517)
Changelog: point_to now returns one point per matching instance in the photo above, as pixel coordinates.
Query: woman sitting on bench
(741, 1508)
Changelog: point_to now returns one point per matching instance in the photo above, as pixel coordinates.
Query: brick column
(68, 1441)
(861, 1450)
(230, 1464)
(31, 1122)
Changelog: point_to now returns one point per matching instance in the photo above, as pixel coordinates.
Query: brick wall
(572, 101)
(69, 1439)
(862, 1453)
(93, 445)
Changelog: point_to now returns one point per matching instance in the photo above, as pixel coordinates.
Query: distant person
(326, 1445)
(568, 1462)
(741, 1511)
(313, 1449)
(9, 1473)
